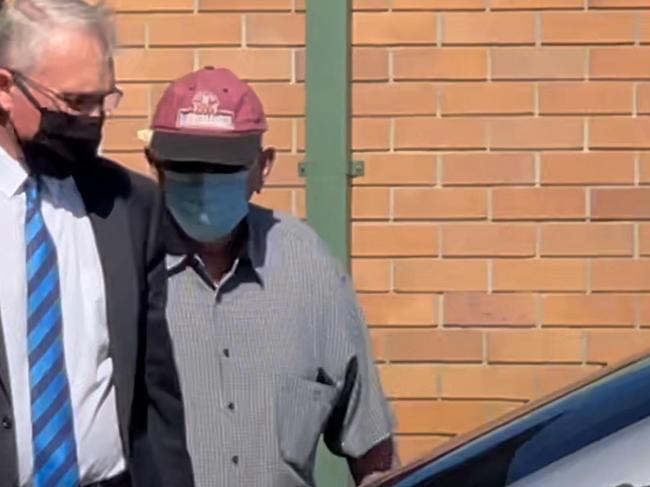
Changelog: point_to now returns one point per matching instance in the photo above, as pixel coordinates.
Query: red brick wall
(500, 244)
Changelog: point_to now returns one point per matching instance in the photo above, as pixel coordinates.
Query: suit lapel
(110, 222)
(4, 367)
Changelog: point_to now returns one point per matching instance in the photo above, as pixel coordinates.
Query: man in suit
(89, 393)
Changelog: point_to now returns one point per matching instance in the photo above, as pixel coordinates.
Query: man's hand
(376, 463)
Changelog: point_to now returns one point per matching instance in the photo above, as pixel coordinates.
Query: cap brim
(228, 151)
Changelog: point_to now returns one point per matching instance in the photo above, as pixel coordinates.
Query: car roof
(538, 411)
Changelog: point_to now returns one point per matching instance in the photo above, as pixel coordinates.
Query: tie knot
(32, 190)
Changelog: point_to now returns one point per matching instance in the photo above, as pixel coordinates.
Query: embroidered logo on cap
(205, 114)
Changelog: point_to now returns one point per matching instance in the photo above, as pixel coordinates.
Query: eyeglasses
(86, 103)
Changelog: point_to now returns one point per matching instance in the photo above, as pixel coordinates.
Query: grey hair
(26, 25)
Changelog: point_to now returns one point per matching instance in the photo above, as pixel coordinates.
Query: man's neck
(219, 257)
(9, 143)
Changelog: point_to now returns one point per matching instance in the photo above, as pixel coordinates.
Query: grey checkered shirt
(274, 356)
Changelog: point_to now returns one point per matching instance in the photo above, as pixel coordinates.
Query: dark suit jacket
(126, 212)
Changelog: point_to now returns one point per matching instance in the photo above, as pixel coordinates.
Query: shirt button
(231, 406)
(235, 460)
(226, 353)
(7, 423)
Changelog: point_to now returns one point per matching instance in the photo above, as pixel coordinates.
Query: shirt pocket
(302, 410)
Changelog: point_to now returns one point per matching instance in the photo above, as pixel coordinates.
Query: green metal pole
(328, 122)
(327, 165)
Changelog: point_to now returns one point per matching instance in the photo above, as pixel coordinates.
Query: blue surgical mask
(208, 207)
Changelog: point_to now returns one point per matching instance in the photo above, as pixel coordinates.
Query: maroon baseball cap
(211, 116)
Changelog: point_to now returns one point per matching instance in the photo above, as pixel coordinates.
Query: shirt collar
(12, 174)
(252, 254)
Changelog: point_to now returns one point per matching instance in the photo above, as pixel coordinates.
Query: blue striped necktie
(53, 439)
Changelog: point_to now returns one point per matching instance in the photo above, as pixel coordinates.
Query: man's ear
(267, 161)
(154, 167)
(6, 99)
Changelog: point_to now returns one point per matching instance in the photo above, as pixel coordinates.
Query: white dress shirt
(85, 332)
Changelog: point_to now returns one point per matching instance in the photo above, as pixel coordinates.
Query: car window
(535, 449)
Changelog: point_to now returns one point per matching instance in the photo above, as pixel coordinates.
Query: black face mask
(62, 141)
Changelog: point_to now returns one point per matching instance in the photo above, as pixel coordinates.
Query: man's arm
(165, 415)
(361, 425)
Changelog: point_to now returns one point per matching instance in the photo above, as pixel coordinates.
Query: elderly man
(272, 349)
(89, 394)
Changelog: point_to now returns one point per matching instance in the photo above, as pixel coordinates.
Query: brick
(285, 170)
(409, 381)
(553, 379)
(538, 203)
(131, 30)
(643, 98)
(381, 240)
(251, 64)
(120, 134)
(540, 346)
(584, 239)
(419, 345)
(245, 5)
(368, 64)
(280, 134)
(428, 203)
(412, 448)
(431, 275)
(440, 133)
(205, 30)
(384, 28)
(540, 275)
(370, 133)
(574, 98)
(151, 5)
(394, 99)
(619, 133)
(482, 240)
(371, 275)
(538, 63)
(273, 29)
(618, 3)
(135, 102)
(536, 4)
(475, 309)
(582, 168)
(153, 64)
(440, 64)
(589, 310)
(398, 169)
(279, 199)
(619, 62)
(644, 310)
(488, 28)
(536, 133)
(400, 309)
(588, 27)
(370, 203)
(644, 239)
(281, 99)
(620, 203)
(488, 169)
(644, 168)
(487, 99)
(644, 29)
(438, 4)
(446, 417)
(494, 382)
(620, 275)
(610, 347)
